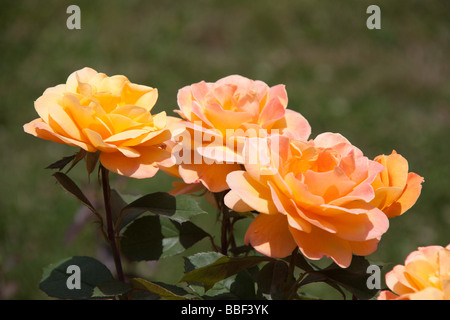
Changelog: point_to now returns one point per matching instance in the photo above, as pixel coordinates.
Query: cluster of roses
(321, 195)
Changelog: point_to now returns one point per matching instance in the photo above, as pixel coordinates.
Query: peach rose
(315, 195)
(217, 118)
(107, 114)
(425, 276)
(396, 190)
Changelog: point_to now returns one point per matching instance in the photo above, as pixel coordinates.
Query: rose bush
(251, 157)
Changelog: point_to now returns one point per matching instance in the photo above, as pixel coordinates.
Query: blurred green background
(382, 89)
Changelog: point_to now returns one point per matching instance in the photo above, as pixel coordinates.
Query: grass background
(382, 89)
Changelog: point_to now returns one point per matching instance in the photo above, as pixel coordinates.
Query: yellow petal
(223, 119)
(408, 198)
(129, 152)
(251, 192)
(121, 123)
(385, 196)
(145, 166)
(234, 202)
(42, 130)
(62, 123)
(396, 171)
(160, 120)
(148, 100)
(51, 96)
(126, 135)
(97, 141)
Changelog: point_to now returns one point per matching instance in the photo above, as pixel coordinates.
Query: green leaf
(272, 279)
(153, 237)
(142, 240)
(70, 186)
(219, 291)
(240, 286)
(179, 236)
(189, 233)
(155, 288)
(80, 155)
(180, 208)
(91, 274)
(243, 286)
(221, 269)
(201, 259)
(117, 204)
(354, 278)
(111, 288)
(301, 262)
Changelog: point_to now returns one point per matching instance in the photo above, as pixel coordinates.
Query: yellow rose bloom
(107, 114)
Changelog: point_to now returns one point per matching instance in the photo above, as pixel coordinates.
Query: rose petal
(42, 130)
(251, 192)
(62, 123)
(408, 198)
(212, 176)
(293, 125)
(184, 188)
(318, 243)
(234, 202)
(329, 185)
(267, 234)
(287, 206)
(145, 166)
(224, 119)
(97, 141)
(272, 112)
(364, 248)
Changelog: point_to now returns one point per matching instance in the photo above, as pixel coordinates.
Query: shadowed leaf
(142, 240)
(157, 289)
(60, 164)
(272, 279)
(111, 288)
(91, 274)
(78, 157)
(221, 269)
(91, 161)
(70, 186)
(354, 278)
(117, 204)
(153, 237)
(180, 208)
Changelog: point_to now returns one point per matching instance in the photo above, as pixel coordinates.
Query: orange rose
(396, 190)
(217, 118)
(425, 276)
(315, 195)
(107, 114)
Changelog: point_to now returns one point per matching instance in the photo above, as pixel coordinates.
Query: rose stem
(225, 228)
(109, 222)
